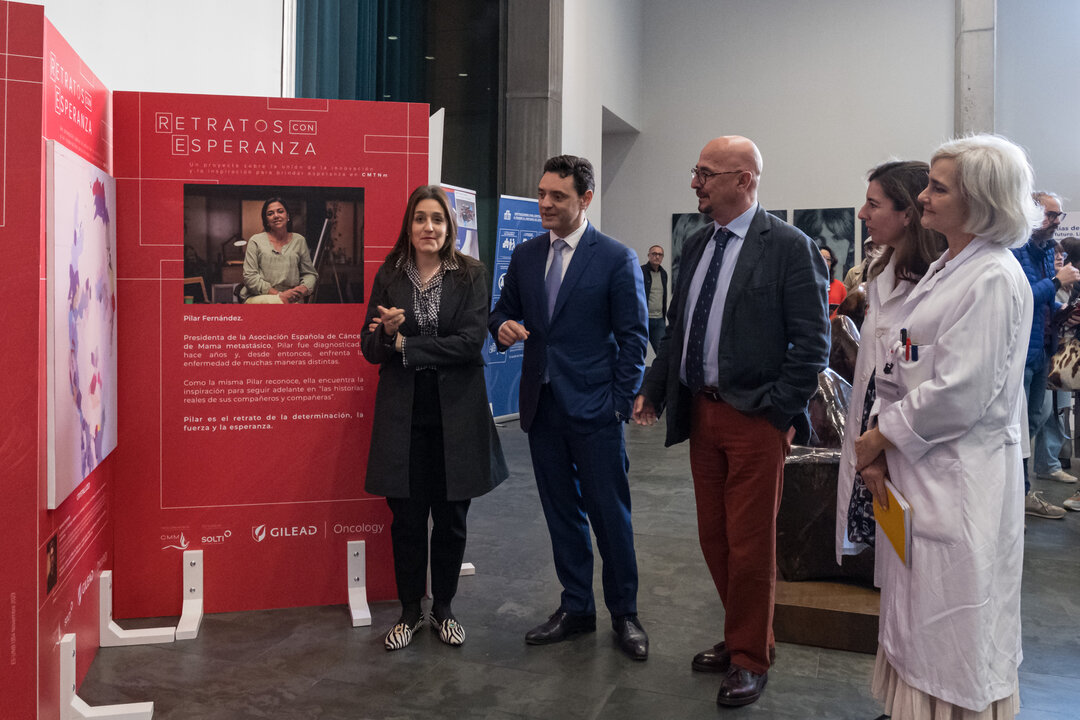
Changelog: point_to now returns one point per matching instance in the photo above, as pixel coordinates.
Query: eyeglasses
(704, 175)
(656, 254)
(1054, 216)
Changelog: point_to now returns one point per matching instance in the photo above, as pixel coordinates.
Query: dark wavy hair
(579, 167)
(1071, 247)
(832, 257)
(288, 212)
(403, 248)
(902, 181)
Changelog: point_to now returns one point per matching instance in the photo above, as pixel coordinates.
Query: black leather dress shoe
(560, 626)
(717, 659)
(632, 638)
(741, 687)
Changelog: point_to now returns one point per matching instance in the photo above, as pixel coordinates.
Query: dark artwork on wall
(683, 226)
(833, 228)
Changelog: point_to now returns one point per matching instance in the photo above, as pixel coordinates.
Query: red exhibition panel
(244, 428)
(78, 534)
(53, 557)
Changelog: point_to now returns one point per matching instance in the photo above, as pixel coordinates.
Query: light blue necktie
(554, 276)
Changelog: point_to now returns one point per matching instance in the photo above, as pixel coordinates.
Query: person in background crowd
(837, 292)
(748, 334)
(1037, 259)
(1046, 445)
(1067, 322)
(948, 422)
(893, 214)
(857, 275)
(576, 299)
(656, 294)
(434, 445)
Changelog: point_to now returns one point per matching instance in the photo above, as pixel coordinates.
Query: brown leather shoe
(741, 687)
(717, 659)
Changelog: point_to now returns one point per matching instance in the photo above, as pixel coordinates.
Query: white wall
(826, 90)
(222, 47)
(1038, 89)
(601, 68)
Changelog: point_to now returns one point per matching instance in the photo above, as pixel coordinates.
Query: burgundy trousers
(738, 465)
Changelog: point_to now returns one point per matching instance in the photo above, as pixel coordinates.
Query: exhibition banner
(463, 204)
(519, 220)
(244, 427)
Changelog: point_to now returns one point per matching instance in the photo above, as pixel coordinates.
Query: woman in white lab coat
(893, 217)
(950, 410)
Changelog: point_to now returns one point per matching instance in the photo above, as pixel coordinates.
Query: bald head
(737, 149)
(732, 165)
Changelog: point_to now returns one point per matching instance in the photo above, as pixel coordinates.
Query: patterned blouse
(426, 300)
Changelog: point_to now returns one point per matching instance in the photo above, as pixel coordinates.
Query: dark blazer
(646, 277)
(593, 348)
(775, 335)
(473, 455)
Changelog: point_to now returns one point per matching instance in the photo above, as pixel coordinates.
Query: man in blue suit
(575, 297)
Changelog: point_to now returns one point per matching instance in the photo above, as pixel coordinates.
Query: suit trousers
(738, 465)
(582, 478)
(427, 497)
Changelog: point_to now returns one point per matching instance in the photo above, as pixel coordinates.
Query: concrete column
(534, 63)
(976, 43)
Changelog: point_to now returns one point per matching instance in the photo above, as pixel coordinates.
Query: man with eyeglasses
(748, 333)
(1036, 256)
(655, 278)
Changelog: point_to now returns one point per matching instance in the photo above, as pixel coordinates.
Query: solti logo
(259, 533)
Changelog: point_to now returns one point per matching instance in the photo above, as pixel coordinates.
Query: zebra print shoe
(401, 634)
(449, 630)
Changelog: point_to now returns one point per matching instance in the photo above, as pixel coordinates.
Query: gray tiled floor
(309, 662)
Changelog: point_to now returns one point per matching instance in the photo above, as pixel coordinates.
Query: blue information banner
(519, 220)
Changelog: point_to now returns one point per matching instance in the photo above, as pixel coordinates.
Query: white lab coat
(950, 625)
(880, 328)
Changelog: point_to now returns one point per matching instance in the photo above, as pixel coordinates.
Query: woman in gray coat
(433, 444)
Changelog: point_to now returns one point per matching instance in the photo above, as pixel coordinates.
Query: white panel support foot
(192, 613)
(72, 707)
(357, 567)
(467, 569)
(112, 635)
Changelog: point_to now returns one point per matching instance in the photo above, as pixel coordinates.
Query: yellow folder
(896, 522)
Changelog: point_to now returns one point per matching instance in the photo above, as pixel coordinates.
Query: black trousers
(427, 497)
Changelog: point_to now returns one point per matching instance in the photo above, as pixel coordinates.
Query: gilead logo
(259, 532)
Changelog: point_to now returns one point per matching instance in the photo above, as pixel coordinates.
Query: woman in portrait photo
(277, 264)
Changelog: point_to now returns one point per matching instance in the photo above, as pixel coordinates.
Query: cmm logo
(258, 532)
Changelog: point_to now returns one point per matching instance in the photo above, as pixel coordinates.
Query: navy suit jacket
(593, 347)
(774, 339)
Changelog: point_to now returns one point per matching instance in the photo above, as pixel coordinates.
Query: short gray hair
(996, 181)
(1038, 196)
